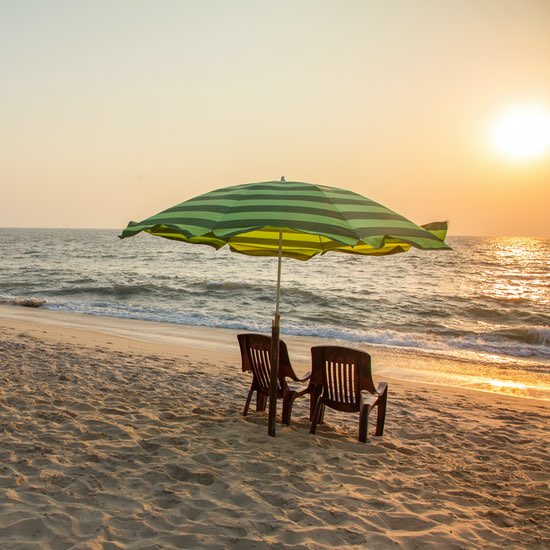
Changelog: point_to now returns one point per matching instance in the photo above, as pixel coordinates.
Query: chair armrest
(293, 376)
(306, 377)
(299, 390)
(368, 398)
(382, 388)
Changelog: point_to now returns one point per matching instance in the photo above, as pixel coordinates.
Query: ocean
(486, 301)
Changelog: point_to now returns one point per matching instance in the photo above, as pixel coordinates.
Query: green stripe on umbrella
(290, 219)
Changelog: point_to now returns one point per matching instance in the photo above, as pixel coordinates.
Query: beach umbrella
(289, 219)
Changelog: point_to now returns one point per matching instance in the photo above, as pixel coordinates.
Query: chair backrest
(343, 372)
(256, 357)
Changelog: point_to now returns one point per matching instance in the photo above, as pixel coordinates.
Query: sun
(522, 133)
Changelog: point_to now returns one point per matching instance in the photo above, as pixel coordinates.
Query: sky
(113, 110)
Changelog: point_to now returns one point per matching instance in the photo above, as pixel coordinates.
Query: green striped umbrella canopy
(312, 219)
(290, 219)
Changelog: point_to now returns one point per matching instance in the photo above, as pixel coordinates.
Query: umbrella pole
(275, 349)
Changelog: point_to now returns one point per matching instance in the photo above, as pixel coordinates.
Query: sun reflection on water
(497, 384)
(527, 273)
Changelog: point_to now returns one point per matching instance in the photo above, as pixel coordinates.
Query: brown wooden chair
(256, 357)
(347, 385)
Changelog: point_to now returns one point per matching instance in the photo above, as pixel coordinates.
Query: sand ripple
(108, 450)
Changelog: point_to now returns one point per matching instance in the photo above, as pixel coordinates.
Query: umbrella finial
(283, 178)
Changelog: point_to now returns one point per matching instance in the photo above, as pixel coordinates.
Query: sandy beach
(115, 439)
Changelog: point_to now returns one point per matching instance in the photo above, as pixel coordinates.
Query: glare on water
(520, 256)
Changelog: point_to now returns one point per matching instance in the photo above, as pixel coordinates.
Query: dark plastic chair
(346, 379)
(256, 357)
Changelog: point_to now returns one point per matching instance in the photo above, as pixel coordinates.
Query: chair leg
(363, 423)
(313, 398)
(288, 401)
(322, 415)
(248, 400)
(380, 419)
(312, 403)
(261, 401)
(317, 413)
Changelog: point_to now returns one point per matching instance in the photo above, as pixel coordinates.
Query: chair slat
(345, 383)
(339, 388)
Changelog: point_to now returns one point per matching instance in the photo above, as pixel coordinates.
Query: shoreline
(121, 442)
(405, 365)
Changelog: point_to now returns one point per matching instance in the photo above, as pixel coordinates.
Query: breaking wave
(25, 302)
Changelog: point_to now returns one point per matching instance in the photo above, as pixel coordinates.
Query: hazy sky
(112, 110)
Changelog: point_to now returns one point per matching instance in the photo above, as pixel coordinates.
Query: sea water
(486, 301)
